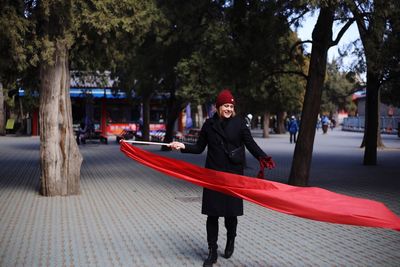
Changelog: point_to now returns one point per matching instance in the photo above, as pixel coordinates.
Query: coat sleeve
(200, 145)
(249, 142)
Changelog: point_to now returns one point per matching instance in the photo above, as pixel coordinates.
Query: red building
(110, 112)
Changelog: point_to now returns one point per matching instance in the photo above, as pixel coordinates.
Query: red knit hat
(224, 97)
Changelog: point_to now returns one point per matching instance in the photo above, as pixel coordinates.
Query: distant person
(274, 124)
(81, 134)
(293, 127)
(161, 119)
(318, 126)
(325, 124)
(223, 134)
(333, 123)
(249, 117)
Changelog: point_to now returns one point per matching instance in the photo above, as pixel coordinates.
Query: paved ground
(130, 215)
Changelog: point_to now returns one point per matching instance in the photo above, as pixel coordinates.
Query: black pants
(293, 137)
(212, 229)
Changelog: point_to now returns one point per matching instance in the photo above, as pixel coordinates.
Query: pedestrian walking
(293, 127)
(249, 117)
(318, 126)
(226, 136)
(325, 124)
(333, 124)
(81, 134)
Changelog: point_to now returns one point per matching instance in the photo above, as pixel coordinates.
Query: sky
(351, 35)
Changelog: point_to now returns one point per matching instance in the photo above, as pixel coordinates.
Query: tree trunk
(146, 117)
(266, 124)
(379, 142)
(174, 108)
(280, 117)
(322, 39)
(372, 34)
(372, 113)
(59, 153)
(21, 129)
(200, 118)
(2, 117)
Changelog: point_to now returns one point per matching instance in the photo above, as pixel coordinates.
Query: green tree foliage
(12, 50)
(13, 59)
(151, 66)
(390, 92)
(337, 91)
(203, 73)
(247, 49)
(63, 34)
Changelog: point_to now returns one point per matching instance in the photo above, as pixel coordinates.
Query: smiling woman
(225, 104)
(225, 135)
(226, 111)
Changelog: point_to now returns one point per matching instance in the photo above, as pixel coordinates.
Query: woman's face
(226, 110)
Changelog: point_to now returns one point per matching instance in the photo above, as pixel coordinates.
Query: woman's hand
(267, 162)
(177, 145)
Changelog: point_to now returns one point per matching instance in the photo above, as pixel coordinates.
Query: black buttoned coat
(219, 141)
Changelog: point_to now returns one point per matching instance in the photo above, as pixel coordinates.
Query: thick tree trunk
(379, 142)
(372, 126)
(266, 124)
(280, 117)
(322, 39)
(59, 153)
(2, 117)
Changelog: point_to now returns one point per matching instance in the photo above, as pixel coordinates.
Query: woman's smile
(227, 110)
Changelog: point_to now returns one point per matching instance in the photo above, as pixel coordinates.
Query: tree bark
(59, 153)
(146, 117)
(280, 117)
(2, 117)
(200, 118)
(322, 39)
(21, 129)
(266, 124)
(372, 35)
(379, 142)
(372, 127)
(174, 108)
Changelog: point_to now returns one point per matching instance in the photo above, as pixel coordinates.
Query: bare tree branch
(342, 31)
(298, 17)
(296, 45)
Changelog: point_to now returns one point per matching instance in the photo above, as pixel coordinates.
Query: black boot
(230, 246)
(212, 257)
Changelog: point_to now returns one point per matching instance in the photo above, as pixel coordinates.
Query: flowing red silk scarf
(307, 202)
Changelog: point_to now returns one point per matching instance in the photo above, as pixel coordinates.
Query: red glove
(265, 162)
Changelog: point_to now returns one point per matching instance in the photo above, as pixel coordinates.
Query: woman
(223, 133)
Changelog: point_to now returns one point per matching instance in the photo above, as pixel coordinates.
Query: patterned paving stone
(130, 215)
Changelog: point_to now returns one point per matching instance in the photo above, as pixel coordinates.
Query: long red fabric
(307, 202)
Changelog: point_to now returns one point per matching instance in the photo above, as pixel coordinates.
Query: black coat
(220, 140)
